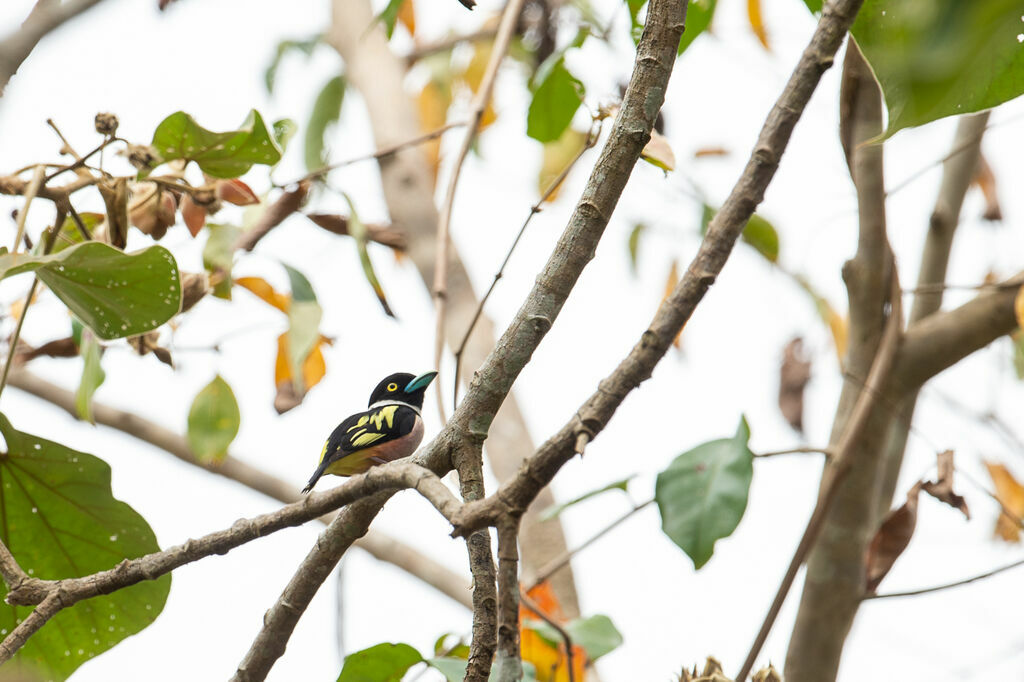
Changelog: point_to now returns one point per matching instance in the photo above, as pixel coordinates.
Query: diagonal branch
(46, 17)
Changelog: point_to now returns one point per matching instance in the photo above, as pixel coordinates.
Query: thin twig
(506, 28)
(380, 153)
(936, 588)
(796, 451)
(559, 562)
(30, 193)
(841, 463)
(592, 137)
(566, 639)
(81, 161)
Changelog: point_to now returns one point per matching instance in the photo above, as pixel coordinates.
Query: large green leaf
(213, 421)
(222, 155)
(557, 95)
(699, 14)
(114, 293)
(380, 663)
(326, 110)
(937, 58)
(60, 520)
(703, 493)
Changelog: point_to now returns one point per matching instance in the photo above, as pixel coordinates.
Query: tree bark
(408, 184)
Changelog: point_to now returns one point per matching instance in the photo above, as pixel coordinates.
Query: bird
(391, 428)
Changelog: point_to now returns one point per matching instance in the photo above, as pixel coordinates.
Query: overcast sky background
(207, 58)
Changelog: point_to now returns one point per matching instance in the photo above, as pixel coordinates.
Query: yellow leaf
(1011, 494)
(670, 285)
(658, 152)
(1018, 307)
(757, 22)
(558, 155)
(263, 290)
(314, 367)
(473, 74)
(407, 16)
(433, 102)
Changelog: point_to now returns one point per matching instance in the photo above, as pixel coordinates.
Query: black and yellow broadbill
(390, 429)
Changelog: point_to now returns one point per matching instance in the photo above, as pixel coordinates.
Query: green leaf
(92, 376)
(69, 234)
(326, 110)
(633, 244)
(357, 229)
(760, 234)
(114, 293)
(453, 669)
(699, 14)
(60, 520)
(380, 663)
(557, 95)
(389, 15)
(218, 256)
(222, 155)
(596, 634)
(703, 493)
(284, 131)
(305, 46)
(635, 26)
(937, 58)
(213, 421)
(77, 329)
(556, 509)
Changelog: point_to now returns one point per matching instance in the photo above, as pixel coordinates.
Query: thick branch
(941, 340)
(515, 495)
(16, 47)
(509, 666)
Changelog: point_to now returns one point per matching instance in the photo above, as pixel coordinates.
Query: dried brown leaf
(890, 540)
(985, 180)
(58, 348)
(769, 674)
(942, 488)
(382, 234)
(794, 374)
(1010, 494)
(115, 198)
(194, 285)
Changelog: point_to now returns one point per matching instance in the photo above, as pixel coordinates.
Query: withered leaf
(769, 674)
(890, 540)
(985, 180)
(58, 348)
(1010, 494)
(794, 374)
(942, 488)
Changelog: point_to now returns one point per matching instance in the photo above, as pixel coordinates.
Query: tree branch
(509, 666)
(376, 543)
(16, 47)
(946, 586)
(515, 495)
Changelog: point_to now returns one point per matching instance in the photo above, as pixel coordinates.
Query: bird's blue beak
(422, 381)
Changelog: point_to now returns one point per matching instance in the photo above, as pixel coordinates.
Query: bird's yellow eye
(392, 387)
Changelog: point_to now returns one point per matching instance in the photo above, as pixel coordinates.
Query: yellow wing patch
(362, 440)
(377, 419)
(323, 453)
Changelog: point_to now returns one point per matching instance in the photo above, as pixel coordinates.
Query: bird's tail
(316, 476)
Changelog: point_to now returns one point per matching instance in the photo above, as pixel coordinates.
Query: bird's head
(403, 387)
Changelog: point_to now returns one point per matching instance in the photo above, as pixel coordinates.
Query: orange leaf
(314, 367)
(1011, 494)
(1018, 307)
(262, 289)
(407, 16)
(891, 539)
(193, 215)
(705, 152)
(549, 660)
(236, 192)
(433, 102)
(757, 22)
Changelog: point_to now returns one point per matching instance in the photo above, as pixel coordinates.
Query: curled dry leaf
(891, 538)
(148, 343)
(794, 374)
(985, 180)
(193, 215)
(115, 197)
(152, 209)
(942, 488)
(194, 285)
(387, 235)
(769, 674)
(1010, 494)
(58, 348)
(236, 192)
(658, 152)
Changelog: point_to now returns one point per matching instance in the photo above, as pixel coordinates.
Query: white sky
(208, 58)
